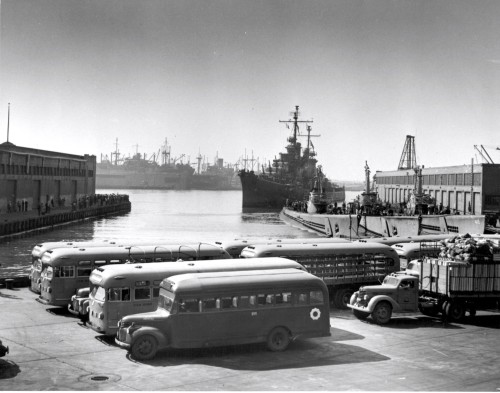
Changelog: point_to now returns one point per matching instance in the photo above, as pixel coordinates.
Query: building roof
(10, 147)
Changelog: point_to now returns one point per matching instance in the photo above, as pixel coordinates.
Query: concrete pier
(50, 349)
(16, 223)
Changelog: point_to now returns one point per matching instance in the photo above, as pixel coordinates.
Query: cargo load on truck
(464, 278)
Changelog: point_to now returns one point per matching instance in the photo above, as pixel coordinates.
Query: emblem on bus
(315, 314)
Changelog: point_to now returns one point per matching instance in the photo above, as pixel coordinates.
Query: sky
(214, 77)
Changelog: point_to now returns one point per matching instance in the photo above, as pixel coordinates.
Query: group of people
(23, 205)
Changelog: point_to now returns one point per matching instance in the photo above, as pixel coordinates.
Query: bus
(229, 308)
(234, 247)
(65, 270)
(118, 291)
(39, 249)
(342, 266)
(407, 252)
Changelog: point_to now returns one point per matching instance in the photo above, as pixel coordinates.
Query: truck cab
(397, 293)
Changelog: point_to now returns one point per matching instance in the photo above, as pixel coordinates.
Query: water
(159, 217)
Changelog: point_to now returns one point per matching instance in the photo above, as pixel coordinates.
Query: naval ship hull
(262, 194)
(352, 226)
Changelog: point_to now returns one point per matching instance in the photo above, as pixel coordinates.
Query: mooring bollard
(9, 283)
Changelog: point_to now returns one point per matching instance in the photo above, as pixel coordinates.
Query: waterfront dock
(21, 222)
(50, 349)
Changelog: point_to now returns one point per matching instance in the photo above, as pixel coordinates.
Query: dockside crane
(484, 154)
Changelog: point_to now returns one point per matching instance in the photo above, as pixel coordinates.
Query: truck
(433, 286)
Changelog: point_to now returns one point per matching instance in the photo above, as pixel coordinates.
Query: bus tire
(278, 339)
(382, 313)
(342, 298)
(144, 348)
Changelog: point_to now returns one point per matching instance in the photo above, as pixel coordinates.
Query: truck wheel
(342, 298)
(360, 314)
(456, 311)
(278, 339)
(144, 348)
(382, 313)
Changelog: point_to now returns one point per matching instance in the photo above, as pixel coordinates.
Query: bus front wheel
(144, 348)
(278, 339)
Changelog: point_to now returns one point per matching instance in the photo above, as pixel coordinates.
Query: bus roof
(176, 250)
(113, 274)
(308, 240)
(321, 248)
(272, 279)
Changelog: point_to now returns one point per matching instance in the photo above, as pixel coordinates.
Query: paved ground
(51, 350)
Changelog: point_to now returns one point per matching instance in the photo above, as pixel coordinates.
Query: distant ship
(289, 179)
(214, 177)
(139, 172)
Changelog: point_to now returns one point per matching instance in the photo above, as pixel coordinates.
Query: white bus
(65, 270)
(342, 266)
(230, 308)
(236, 246)
(118, 291)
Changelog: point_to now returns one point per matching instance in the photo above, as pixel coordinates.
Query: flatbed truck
(433, 286)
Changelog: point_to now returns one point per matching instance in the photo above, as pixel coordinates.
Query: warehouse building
(33, 177)
(464, 189)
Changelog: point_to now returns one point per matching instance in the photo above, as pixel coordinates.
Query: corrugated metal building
(30, 177)
(467, 189)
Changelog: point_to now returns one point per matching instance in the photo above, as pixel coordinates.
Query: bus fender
(162, 340)
(379, 298)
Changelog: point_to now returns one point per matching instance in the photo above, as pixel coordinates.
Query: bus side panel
(219, 328)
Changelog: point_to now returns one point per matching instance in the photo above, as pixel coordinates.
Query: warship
(291, 176)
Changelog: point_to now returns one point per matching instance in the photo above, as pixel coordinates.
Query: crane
(482, 151)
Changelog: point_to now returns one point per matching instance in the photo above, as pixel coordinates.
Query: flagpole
(8, 122)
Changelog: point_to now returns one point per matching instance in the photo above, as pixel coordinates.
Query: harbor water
(159, 217)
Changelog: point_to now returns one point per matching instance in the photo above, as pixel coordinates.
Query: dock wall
(47, 221)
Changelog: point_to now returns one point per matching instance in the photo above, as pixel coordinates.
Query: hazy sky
(218, 75)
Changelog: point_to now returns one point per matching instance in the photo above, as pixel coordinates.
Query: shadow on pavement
(8, 369)
(255, 357)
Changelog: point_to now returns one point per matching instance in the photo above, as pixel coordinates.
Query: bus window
(316, 297)
(99, 293)
(118, 294)
(246, 301)
(226, 302)
(156, 292)
(67, 271)
(142, 294)
(188, 305)
(99, 263)
(84, 269)
(209, 304)
(284, 298)
(301, 298)
(115, 261)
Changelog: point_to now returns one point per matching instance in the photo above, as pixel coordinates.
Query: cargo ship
(139, 172)
(290, 178)
(219, 176)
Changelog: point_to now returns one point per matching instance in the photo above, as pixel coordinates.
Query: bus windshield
(166, 300)
(99, 293)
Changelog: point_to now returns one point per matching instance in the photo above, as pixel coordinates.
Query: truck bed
(481, 278)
